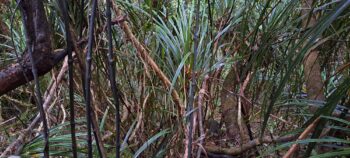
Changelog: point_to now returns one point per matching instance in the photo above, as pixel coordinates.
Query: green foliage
(265, 38)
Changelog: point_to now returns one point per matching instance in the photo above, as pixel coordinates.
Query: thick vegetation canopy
(175, 78)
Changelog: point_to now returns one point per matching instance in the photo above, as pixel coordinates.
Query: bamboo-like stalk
(88, 76)
(97, 134)
(111, 69)
(64, 10)
(193, 84)
(31, 47)
(94, 124)
(81, 18)
(39, 102)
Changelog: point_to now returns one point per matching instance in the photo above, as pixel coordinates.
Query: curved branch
(38, 36)
(12, 76)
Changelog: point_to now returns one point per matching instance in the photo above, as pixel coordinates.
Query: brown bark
(12, 76)
(229, 109)
(38, 39)
(312, 68)
(312, 74)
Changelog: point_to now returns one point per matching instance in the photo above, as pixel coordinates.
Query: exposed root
(251, 144)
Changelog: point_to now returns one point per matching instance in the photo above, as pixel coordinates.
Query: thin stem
(88, 76)
(64, 9)
(97, 138)
(31, 47)
(201, 95)
(210, 18)
(111, 69)
(39, 101)
(13, 41)
(81, 18)
(193, 82)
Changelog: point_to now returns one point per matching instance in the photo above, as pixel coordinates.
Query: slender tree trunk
(312, 68)
(229, 108)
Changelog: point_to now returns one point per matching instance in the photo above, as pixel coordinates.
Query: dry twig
(245, 147)
(202, 92)
(302, 136)
(144, 54)
(15, 146)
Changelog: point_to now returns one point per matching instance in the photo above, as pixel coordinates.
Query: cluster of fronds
(158, 79)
